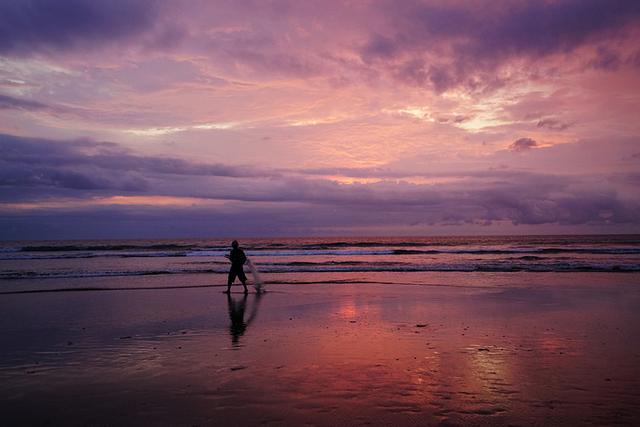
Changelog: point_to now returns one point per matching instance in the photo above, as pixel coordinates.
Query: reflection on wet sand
(327, 355)
(237, 309)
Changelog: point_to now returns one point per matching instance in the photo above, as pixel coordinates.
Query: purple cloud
(33, 170)
(41, 26)
(606, 59)
(11, 103)
(105, 155)
(32, 167)
(553, 124)
(523, 144)
(522, 205)
(467, 41)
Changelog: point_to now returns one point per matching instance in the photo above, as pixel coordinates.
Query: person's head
(234, 244)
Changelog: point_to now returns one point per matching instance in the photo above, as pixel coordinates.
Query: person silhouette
(237, 258)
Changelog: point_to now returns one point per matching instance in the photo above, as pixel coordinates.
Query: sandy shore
(535, 350)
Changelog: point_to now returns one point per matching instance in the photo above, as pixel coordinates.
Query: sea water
(41, 265)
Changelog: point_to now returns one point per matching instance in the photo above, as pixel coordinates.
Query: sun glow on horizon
(113, 201)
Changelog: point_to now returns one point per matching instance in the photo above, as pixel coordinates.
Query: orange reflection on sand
(551, 344)
(348, 310)
(367, 358)
(488, 366)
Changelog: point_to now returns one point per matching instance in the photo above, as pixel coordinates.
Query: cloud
(523, 144)
(79, 179)
(448, 44)
(32, 167)
(11, 103)
(553, 124)
(606, 59)
(247, 200)
(356, 210)
(306, 91)
(47, 26)
(439, 44)
(108, 156)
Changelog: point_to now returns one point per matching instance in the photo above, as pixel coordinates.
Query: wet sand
(533, 350)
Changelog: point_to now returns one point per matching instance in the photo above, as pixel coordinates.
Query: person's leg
(232, 277)
(243, 279)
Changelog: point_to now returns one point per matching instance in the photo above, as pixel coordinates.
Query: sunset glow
(295, 118)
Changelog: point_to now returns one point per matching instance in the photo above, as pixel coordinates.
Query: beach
(422, 348)
(430, 208)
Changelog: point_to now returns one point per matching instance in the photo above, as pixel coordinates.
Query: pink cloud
(334, 105)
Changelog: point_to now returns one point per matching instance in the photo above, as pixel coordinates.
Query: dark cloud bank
(268, 202)
(43, 26)
(11, 103)
(435, 44)
(469, 41)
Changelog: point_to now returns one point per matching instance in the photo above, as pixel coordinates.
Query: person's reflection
(236, 314)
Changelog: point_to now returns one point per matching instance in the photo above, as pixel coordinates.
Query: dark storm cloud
(515, 197)
(33, 170)
(523, 144)
(37, 168)
(27, 152)
(520, 203)
(74, 179)
(110, 222)
(527, 205)
(31, 167)
(530, 27)
(11, 103)
(541, 28)
(468, 40)
(51, 25)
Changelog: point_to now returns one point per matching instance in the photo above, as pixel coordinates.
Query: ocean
(536, 330)
(38, 262)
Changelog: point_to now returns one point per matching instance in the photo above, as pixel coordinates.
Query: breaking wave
(337, 267)
(131, 251)
(123, 258)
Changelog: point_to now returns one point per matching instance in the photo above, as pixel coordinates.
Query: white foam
(9, 249)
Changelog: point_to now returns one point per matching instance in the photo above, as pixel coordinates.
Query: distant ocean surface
(99, 258)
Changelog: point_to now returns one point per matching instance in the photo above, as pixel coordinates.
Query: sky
(164, 119)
